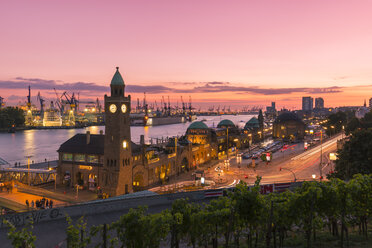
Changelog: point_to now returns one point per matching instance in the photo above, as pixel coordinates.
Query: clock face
(123, 108)
(112, 108)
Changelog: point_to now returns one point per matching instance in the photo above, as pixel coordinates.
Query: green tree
(181, 212)
(250, 209)
(335, 122)
(201, 231)
(22, 238)
(131, 227)
(158, 227)
(367, 120)
(305, 203)
(355, 156)
(261, 123)
(76, 233)
(11, 116)
(352, 125)
(360, 188)
(220, 214)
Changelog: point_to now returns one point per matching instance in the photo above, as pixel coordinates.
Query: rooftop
(117, 79)
(78, 144)
(198, 125)
(226, 123)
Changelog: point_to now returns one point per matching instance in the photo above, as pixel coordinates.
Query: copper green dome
(252, 123)
(198, 125)
(117, 79)
(226, 123)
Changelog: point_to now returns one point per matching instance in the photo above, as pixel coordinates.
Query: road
(303, 165)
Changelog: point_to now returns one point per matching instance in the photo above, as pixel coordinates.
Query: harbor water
(43, 144)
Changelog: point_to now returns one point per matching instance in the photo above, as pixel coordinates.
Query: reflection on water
(29, 142)
(43, 144)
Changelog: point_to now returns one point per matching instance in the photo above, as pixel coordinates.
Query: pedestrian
(32, 203)
(46, 203)
(37, 204)
(51, 203)
(27, 203)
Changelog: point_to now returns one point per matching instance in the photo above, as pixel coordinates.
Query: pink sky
(245, 45)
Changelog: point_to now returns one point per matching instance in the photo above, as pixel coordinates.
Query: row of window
(112, 162)
(80, 158)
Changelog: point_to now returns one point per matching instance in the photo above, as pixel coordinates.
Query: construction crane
(183, 106)
(29, 118)
(41, 100)
(165, 105)
(71, 100)
(144, 102)
(169, 107)
(190, 106)
(59, 103)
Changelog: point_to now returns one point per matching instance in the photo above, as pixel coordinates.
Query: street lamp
(227, 164)
(28, 169)
(313, 176)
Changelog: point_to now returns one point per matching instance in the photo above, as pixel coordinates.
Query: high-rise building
(271, 109)
(307, 103)
(319, 103)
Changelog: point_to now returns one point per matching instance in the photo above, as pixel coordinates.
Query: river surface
(43, 144)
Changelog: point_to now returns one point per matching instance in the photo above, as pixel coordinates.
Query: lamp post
(28, 169)
(175, 164)
(227, 143)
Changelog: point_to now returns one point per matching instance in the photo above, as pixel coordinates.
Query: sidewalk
(17, 201)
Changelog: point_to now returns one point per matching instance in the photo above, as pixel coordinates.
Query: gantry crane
(41, 100)
(71, 100)
(59, 103)
(29, 118)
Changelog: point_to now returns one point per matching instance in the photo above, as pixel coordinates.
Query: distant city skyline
(218, 52)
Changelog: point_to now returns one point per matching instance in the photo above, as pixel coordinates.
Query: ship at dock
(65, 111)
(153, 114)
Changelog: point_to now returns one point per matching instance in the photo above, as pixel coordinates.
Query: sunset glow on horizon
(233, 53)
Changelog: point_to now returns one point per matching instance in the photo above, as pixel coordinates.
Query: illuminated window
(125, 144)
(67, 157)
(92, 158)
(80, 157)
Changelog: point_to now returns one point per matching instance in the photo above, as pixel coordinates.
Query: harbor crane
(59, 103)
(41, 100)
(183, 106)
(29, 118)
(190, 106)
(169, 107)
(71, 100)
(165, 105)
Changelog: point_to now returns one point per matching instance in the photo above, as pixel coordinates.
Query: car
(255, 156)
(247, 156)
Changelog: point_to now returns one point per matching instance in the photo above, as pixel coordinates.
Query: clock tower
(117, 170)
